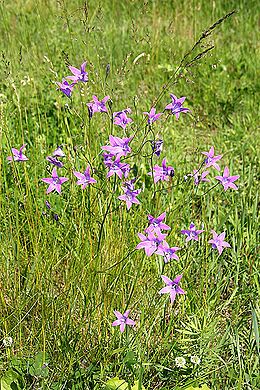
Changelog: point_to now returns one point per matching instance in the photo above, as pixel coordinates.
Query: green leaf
(136, 386)
(10, 381)
(204, 387)
(39, 366)
(116, 384)
(130, 358)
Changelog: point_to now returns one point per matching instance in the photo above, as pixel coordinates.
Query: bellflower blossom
(54, 161)
(192, 233)
(169, 253)
(227, 181)
(84, 178)
(218, 241)
(176, 106)
(121, 119)
(115, 166)
(65, 87)
(172, 287)
(18, 154)
(211, 159)
(78, 74)
(58, 152)
(157, 223)
(130, 194)
(157, 147)
(118, 146)
(122, 320)
(152, 117)
(199, 177)
(97, 105)
(162, 173)
(152, 243)
(54, 182)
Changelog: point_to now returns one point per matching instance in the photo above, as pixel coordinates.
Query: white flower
(7, 341)
(180, 362)
(195, 359)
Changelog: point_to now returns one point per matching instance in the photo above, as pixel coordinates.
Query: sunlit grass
(60, 282)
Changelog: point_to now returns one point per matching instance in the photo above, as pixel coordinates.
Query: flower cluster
(211, 161)
(154, 238)
(78, 75)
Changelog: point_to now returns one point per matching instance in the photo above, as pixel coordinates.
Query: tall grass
(61, 281)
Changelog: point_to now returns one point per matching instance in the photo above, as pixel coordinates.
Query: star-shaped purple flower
(157, 223)
(54, 182)
(97, 105)
(199, 177)
(54, 161)
(122, 320)
(152, 117)
(218, 241)
(84, 178)
(157, 147)
(192, 233)
(211, 159)
(162, 173)
(130, 197)
(65, 87)
(121, 119)
(169, 253)
(115, 166)
(172, 287)
(152, 243)
(176, 106)
(18, 154)
(118, 146)
(78, 74)
(58, 152)
(227, 181)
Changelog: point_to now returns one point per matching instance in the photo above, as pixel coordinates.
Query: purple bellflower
(199, 177)
(130, 194)
(192, 233)
(130, 184)
(162, 173)
(121, 119)
(169, 253)
(157, 147)
(97, 105)
(176, 106)
(54, 161)
(227, 181)
(152, 243)
(211, 160)
(48, 205)
(157, 223)
(84, 178)
(18, 154)
(58, 152)
(54, 182)
(122, 320)
(152, 117)
(115, 166)
(172, 287)
(118, 146)
(65, 87)
(218, 241)
(78, 74)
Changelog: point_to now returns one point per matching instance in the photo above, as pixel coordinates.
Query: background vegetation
(58, 287)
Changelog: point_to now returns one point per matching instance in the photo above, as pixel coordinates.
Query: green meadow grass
(60, 282)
